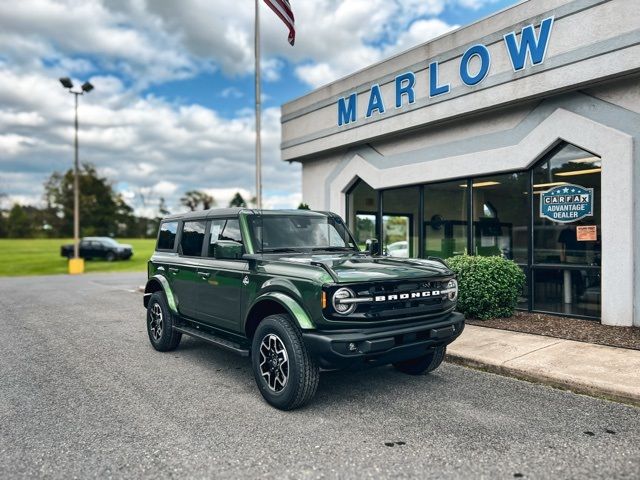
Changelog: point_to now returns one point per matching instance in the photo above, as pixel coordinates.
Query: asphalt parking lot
(84, 395)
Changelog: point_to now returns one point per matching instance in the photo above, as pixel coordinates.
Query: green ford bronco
(292, 290)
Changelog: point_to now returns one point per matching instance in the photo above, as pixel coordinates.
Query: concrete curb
(578, 367)
(573, 386)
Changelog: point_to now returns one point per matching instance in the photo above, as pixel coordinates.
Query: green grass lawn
(42, 257)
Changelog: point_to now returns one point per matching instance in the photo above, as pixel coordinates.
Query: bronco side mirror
(372, 247)
(227, 250)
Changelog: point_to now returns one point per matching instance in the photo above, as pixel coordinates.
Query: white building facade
(517, 136)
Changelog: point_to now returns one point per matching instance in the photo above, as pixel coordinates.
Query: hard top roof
(232, 212)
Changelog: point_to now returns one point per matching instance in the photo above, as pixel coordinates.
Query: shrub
(488, 286)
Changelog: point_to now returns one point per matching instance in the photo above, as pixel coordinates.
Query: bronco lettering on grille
(406, 296)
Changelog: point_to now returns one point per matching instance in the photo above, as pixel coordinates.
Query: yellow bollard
(76, 266)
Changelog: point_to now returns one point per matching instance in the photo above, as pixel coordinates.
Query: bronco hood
(357, 268)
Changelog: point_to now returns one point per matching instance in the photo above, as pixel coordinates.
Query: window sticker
(587, 233)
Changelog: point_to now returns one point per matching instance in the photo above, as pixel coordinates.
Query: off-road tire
(303, 371)
(169, 339)
(424, 364)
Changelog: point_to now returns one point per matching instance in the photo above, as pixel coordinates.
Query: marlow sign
(529, 46)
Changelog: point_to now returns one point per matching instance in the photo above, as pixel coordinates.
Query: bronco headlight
(337, 299)
(452, 290)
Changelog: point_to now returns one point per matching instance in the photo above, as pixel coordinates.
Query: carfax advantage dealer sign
(567, 203)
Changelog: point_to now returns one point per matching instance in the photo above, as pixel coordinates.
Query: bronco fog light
(336, 301)
(452, 290)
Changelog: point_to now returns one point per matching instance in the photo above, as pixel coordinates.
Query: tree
(162, 207)
(303, 206)
(194, 198)
(3, 224)
(20, 223)
(3, 220)
(102, 210)
(207, 201)
(237, 201)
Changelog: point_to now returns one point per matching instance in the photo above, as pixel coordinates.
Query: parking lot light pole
(77, 265)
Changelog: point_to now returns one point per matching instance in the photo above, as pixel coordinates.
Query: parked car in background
(99, 247)
(398, 249)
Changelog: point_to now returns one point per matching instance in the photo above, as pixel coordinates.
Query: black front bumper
(382, 345)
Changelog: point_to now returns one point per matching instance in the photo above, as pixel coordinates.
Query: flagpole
(258, 109)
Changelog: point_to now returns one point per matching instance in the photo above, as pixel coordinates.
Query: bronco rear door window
(192, 238)
(167, 236)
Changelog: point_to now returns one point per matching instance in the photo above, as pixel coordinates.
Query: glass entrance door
(567, 237)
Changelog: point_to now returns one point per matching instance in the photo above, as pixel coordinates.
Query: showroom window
(501, 216)
(546, 219)
(445, 219)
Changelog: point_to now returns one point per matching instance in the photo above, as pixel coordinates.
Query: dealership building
(517, 135)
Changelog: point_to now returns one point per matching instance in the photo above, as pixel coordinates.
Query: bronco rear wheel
(286, 374)
(424, 364)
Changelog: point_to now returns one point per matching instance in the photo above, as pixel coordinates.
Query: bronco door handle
(204, 274)
(173, 270)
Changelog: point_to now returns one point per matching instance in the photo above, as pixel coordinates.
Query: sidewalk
(597, 370)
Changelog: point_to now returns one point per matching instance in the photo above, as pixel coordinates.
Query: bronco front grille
(381, 301)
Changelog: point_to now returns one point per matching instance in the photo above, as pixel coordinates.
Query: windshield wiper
(281, 250)
(333, 249)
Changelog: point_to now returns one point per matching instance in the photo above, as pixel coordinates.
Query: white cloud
(159, 40)
(147, 146)
(475, 4)
(231, 92)
(23, 119)
(12, 144)
(121, 39)
(290, 200)
(420, 31)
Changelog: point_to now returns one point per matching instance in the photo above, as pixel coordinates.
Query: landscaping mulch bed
(566, 328)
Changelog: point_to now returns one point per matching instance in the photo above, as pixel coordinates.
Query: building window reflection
(401, 220)
(445, 219)
(501, 216)
(363, 212)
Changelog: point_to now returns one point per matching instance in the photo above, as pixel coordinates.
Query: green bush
(489, 286)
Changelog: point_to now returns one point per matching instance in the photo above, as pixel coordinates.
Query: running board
(219, 341)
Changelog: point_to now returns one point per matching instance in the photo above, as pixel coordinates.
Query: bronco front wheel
(286, 374)
(162, 335)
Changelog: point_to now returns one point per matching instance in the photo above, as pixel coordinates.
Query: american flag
(282, 9)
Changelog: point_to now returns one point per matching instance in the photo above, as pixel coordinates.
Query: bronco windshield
(299, 233)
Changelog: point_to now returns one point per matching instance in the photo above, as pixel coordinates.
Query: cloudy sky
(172, 108)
